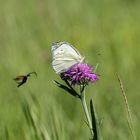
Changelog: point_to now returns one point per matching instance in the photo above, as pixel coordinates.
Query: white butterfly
(64, 57)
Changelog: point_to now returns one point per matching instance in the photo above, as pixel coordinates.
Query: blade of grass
(96, 67)
(129, 116)
(32, 118)
(29, 118)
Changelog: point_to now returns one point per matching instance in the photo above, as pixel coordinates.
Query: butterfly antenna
(31, 73)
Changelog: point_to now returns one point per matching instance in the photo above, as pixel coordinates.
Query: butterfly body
(64, 57)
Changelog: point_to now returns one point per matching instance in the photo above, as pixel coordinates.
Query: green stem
(83, 101)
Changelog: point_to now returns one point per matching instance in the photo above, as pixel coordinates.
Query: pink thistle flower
(80, 74)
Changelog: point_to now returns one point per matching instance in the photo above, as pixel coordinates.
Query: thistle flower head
(80, 74)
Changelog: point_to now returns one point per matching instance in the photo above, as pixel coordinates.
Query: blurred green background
(104, 31)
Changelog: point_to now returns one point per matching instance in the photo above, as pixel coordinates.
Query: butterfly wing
(64, 57)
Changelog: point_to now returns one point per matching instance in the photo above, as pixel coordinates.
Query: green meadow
(106, 32)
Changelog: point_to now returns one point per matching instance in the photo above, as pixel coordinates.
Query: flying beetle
(22, 79)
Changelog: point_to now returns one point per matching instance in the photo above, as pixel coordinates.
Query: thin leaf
(93, 121)
(69, 90)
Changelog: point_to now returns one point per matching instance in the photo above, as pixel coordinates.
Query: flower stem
(83, 101)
